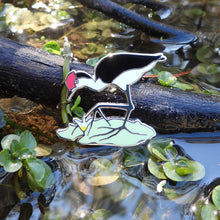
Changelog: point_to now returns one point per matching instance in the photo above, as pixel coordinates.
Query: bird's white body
(131, 76)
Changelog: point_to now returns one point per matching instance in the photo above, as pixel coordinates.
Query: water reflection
(125, 197)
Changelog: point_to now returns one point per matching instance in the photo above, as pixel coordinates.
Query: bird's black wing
(111, 66)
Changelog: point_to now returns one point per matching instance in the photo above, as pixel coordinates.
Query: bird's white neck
(97, 85)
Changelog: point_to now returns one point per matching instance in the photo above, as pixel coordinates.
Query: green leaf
(77, 102)
(159, 142)
(205, 54)
(36, 168)
(8, 163)
(2, 120)
(101, 214)
(7, 140)
(216, 197)
(103, 172)
(166, 78)
(52, 47)
(25, 153)
(90, 49)
(15, 149)
(208, 69)
(89, 34)
(27, 140)
(156, 168)
(43, 150)
(92, 61)
(208, 212)
(157, 146)
(107, 33)
(68, 109)
(182, 86)
(135, 156)
(15, 146)
(170, 152)
(39, 174)
(78, 111)
(184, 170)
(92, 26)
(194, 13)
(158, 153)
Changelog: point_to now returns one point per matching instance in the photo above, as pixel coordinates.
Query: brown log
(31, 72)
(37, 75)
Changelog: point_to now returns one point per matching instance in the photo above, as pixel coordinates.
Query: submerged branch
(131, 18)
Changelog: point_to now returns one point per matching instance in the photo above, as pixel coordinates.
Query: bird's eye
(76, 81)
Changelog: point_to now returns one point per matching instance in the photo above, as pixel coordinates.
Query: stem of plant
(38, 132)
(176, 74)
(66, 69)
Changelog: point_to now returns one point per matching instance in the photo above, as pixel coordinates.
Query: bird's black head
(112, 65)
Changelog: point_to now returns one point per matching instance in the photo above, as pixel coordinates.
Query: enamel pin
(122, 70)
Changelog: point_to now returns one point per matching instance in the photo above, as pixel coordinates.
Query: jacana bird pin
(122, 70)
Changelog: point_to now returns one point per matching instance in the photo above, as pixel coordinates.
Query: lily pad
(156, 168)
(162, 149)
(184, 170)
(216, 197)
(208, 212)
(109, 133)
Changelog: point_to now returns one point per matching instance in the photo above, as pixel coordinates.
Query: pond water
(130, 193)
(132, 196)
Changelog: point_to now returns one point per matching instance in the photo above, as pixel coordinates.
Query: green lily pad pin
(122, 70)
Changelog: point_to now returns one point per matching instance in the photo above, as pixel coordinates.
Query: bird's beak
(70, 94)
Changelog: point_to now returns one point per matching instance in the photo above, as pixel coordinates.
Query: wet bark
(155, 29)
(36, 74)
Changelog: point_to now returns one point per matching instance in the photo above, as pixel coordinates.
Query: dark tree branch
(154, 5)
(37, 75)
(152, 28)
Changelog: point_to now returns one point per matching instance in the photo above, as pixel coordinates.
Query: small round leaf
(166, 78)
(27, 140)
(8, 163)
(7, 140)
(208, 212)
(195, 170)
(216, 197)
(156, 168)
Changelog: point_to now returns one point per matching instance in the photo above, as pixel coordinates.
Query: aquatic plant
(18, 156)
(166, 163)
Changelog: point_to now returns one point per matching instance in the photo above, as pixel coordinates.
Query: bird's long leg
(102, 105)
(94, 115)
(130, 103)
(128, 107)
